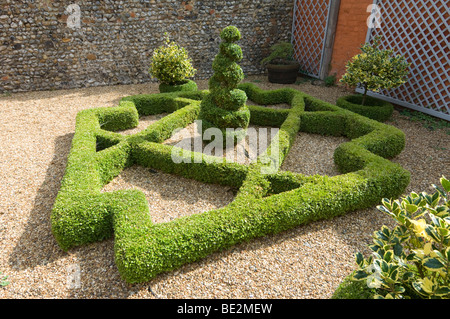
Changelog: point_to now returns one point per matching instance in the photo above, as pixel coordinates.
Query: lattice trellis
(308, 34)
(419, 31)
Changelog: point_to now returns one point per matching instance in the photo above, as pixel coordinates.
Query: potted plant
(281, 66)
(373, 69)
(172, 67)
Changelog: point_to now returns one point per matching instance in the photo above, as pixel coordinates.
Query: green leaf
(385, 210)
(375, 248)
(414, 195)
(387, 203)
(388, 256)
(384, 266)
(411, 256)
(418, 287)
(428, 199)
(3, 280)
(446, 184)
(396, 205)
(440, 190)
(360, 275)
(443, 231)
(379, 243)
(436, 198)
(394, 275)
(433, 264)
(447, 254)
(385, 230)
(399, 289)
(431, 232)
(411, 208)
(441, 211)
(398, 249)
(359, 260)
(407, 276)
(382, 235)
(442, 291)
(435, 220)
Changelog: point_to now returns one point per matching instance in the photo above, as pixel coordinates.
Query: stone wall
(53, 44)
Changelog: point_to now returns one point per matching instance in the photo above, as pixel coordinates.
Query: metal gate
(419, 30)
(309, 30)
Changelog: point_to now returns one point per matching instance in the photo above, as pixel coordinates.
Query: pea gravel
(307, 262)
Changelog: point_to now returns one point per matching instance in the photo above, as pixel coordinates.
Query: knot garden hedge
(265, 203)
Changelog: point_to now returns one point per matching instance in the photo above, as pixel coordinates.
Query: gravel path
(310, 261)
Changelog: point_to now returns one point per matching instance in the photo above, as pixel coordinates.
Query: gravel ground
(307, 262)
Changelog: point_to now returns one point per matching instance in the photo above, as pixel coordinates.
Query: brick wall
(351, 32)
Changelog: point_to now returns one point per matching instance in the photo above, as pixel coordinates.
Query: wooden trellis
(309, 34)
(419, 30)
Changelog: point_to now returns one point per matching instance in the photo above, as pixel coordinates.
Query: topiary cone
(224, 108)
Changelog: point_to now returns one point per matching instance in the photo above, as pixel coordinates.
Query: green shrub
(225, 106)
(124, 117)
(375, 69)
(330, 80)
(375, 109)
(413, 259)
(188, 85)
(353, 289)
(279, 53)
(171, 64)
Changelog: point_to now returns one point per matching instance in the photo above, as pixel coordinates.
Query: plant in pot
(374, 69)
(281, 66)
(172, 67)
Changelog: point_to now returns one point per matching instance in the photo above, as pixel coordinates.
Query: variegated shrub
(413, 259)
(171, 64)
(375, 69)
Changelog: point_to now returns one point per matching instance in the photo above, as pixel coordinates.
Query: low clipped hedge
(268, 200)
(374, 108)
(350, 289)
(187, 86)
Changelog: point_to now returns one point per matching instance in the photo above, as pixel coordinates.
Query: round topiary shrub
(374, 108)
(224, 108)
(374, 69)
(172, 67)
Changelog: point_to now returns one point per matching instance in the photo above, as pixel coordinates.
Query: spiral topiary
(225, 107)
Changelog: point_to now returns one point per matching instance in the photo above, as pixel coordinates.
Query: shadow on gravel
(37, 246)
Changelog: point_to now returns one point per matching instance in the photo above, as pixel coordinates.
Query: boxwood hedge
(374, 109)
(268, 201)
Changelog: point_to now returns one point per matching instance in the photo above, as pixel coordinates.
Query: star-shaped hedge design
(266, 203)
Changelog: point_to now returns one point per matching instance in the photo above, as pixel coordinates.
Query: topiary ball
(230, 34)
